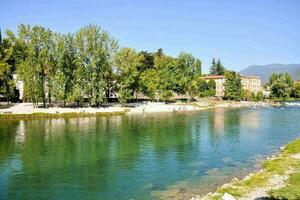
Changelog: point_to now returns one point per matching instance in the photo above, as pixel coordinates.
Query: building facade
(250, 83)
(219, 80)
(19, 85)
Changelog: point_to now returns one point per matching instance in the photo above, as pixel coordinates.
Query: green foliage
(188, 69)
(149, 83)
(233, 86)
(166, 95)
(259, 96)
(248, 95)
(125, 95)
(7, 68)
(281, 85)
(94, 52)
(289, 192)
(293, 147)
(251, 96)
(280, 89)
(87, 67)
(36, 65)
(65, 60)
(277, 166)
(128, 63)
(206, 89)
(217, 68)
(296, 90)
(170, 75)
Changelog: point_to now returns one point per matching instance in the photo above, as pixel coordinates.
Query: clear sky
(239, 32)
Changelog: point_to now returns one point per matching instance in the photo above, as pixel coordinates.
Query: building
(19, 85)
(250, 83)
(220, 80)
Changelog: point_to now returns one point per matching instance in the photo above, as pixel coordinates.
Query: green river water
(147, 156)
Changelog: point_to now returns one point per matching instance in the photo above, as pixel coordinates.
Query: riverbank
(26, 110)
(279, 178)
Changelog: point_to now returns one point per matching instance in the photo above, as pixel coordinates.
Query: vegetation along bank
(279, 178)
(89, 67)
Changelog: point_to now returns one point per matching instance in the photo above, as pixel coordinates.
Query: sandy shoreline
(133, 108)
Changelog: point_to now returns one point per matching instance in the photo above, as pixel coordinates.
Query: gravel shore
(133, 108)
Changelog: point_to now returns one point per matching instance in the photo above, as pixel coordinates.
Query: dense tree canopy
(7, 66)
(296, 90)
(233, 86)
(129, 63)
(217, 68)
(88, 67)
(281, 85)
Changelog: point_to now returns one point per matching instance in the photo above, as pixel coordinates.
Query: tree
(36, 65)
(95, 49)
(217, 68)
(296, 89)
(259, 96)
(233, 86)
(188, 69)
(149, 81)
(280, 89)
(248, 95)
(202, 87)
(280, 84)
(7, 67)
(87, 67)
(147, 62)
(128, 63)
(65, 61)
(211, 88)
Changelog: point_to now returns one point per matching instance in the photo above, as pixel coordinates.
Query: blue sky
(239, 32)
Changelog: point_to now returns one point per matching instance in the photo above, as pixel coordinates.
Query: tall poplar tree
(7, 67)
(217, 68)
(95, 50)
(36, 67)
(233, 86)
(65, 66)
(128, 63)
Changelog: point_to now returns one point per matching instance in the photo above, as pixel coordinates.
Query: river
(147, 156)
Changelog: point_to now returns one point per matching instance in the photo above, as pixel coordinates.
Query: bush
(166, 95)
(247, 95)
(296, 90)
(260, 96)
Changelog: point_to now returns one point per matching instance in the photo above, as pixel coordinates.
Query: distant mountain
(265, 71)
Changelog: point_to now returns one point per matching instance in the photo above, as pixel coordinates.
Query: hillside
(264, 71)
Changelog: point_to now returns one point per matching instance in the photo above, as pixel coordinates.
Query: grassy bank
(58, 115)
(279, 178)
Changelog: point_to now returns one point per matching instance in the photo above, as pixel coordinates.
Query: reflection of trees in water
(232, 123)
(91, 151)
(170, 133)
(8, 145)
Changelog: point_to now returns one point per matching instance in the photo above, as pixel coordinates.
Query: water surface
(140, 156)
